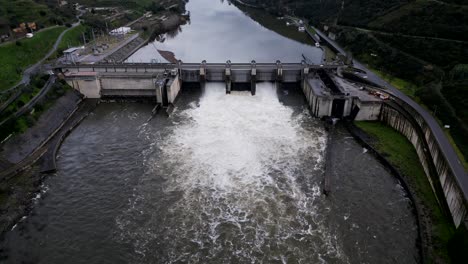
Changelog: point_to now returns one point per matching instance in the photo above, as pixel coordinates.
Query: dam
(328, 93)
(234, 174)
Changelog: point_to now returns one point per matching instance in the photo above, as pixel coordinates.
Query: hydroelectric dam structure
(327, 91)
(163, 82)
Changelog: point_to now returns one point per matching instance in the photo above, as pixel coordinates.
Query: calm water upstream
(219, 31)
(226, 179)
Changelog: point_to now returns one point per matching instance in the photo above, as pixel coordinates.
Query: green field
(15, 57)
(401, 153)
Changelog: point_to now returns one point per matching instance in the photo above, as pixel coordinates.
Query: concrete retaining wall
(127, 83)
(173, 89)
(320, 106)
(442, 180)
(368, 111)
(90, 87)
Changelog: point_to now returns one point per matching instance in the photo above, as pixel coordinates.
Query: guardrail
(195, 66)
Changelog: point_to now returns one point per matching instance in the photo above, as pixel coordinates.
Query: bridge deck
(197, 66)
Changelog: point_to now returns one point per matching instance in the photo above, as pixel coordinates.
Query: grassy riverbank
(17, 56)
(402, 155)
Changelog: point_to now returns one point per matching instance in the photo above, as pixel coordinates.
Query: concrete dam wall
(443, 181)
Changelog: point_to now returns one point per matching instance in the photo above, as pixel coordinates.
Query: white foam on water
(241, 183)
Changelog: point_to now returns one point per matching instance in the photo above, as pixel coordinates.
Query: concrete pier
(253, 78)
(203, 71)
(279, 71)
(227, 77)
(326, 93)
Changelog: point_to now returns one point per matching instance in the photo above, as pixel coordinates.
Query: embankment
(445, 184)
(423, 220)
(21, 183)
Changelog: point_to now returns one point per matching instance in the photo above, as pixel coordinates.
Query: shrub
(30, 121)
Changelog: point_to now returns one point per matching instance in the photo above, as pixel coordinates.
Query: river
(225, 179)
(218, 31)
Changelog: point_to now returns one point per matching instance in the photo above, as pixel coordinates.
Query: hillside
(419, 42)
(43, 12)
(425, 18)
(435, 18)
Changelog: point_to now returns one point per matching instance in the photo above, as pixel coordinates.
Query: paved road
(447, 149)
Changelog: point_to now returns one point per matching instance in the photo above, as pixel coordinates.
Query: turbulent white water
(240, 182)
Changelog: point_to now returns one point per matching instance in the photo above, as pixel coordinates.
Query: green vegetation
(28, 92)
(425, 18)
(411, 90)
(404, 86)
(73, 38)
(140, 5)
(401, 154)
(442, 90)
(446, 54)
(409, 44)
(14, 191)
(43, 12)
(16, 12)
(19, 125)
(17, 56)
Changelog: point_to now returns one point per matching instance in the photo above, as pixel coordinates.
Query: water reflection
(219, 31)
